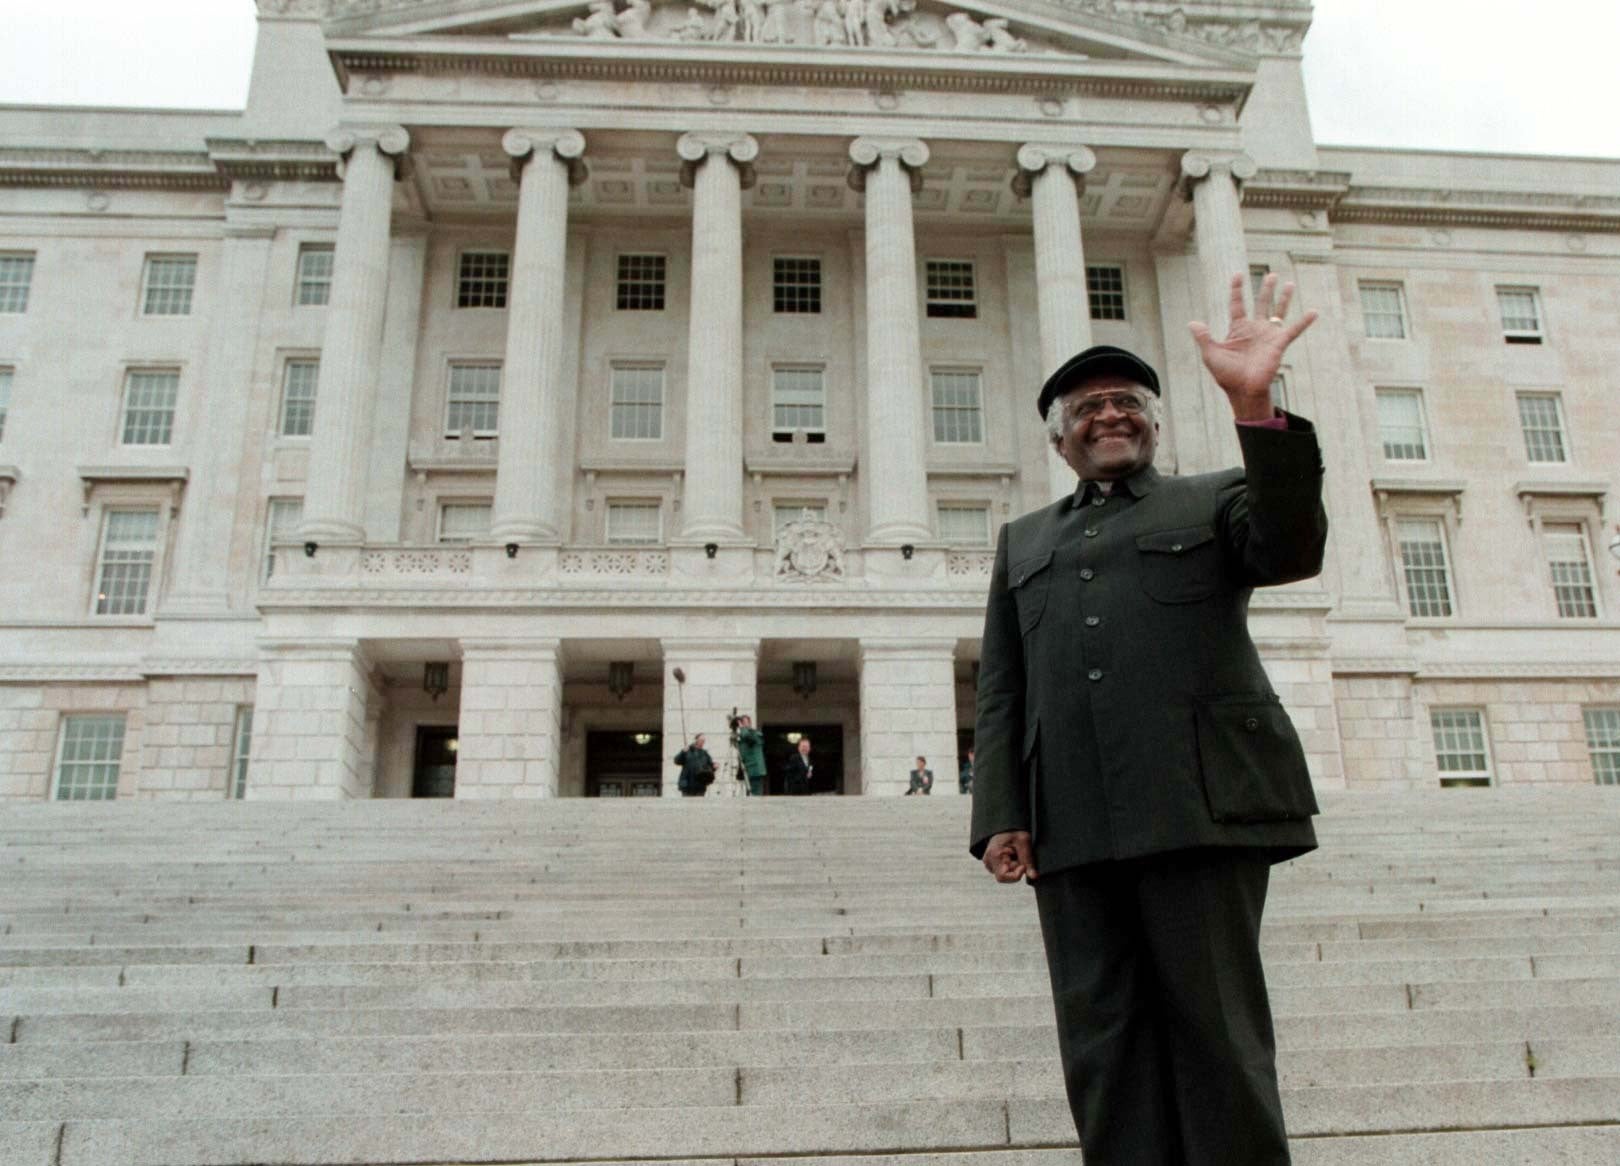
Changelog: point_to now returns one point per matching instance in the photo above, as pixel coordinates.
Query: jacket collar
(1139, 485)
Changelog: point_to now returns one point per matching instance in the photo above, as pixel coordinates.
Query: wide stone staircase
(738, 982)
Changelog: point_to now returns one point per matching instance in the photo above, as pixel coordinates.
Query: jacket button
(1092, 621)
(1100, 500)
(1252, 725)
(1091, 532)
(1175, 548)
(1087, 574)
(1094, 674)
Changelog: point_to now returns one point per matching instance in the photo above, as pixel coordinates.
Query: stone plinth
(908, 708)
(510, 729)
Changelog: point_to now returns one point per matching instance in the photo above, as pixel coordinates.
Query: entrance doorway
(624, 764)
(826, 756)
(434, 773)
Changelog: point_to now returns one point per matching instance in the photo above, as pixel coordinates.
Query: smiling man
(1133, 762)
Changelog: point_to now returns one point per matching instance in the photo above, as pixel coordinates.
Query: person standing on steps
(697, 769)
(751, 754)
(922, 778)
(1133, 761)
(799, 770)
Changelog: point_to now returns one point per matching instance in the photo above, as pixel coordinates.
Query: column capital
(1034, 157)
(866, 152)
(390, 141)
(698, 147)
(1197, 165)
(522, 143)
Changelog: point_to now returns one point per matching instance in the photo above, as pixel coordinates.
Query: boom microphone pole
(680, 691)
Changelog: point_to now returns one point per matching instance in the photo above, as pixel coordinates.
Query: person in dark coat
(751, 754)
(1133, 761)
(922, 778)
(799, 770)
(964, 779)
(697, 769)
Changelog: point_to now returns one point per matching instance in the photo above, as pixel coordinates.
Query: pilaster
(310, 723)
(908, 708)
(510, 727)
(720, 675)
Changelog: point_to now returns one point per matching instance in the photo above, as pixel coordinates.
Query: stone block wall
(31, 725)
(720, 675)
(510, 729)
(188, 738)
(908, 708)
(313, 738)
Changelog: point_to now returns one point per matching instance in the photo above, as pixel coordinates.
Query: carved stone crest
(809, 551)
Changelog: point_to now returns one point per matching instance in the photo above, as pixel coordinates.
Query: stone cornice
(1432, 207)
(296, 161)
(1316, 190)
(110, 169)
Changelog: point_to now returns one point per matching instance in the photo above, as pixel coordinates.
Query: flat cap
(1096, 361)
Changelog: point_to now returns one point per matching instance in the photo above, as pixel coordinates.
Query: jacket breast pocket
(1029, 581)
(1181, 565)
(1252, 761)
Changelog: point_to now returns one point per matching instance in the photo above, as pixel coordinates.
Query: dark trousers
(1163, 1021)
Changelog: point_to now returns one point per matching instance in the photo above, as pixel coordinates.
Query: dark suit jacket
(1122, 707)
(798, 773)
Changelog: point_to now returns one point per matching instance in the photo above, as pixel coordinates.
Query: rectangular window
(958, 417)
(1401, 426)
(1541, 416)
(5, 397)
(241, 747)
(641, 283)
(1571, 570)
(16, 277)
(1521, 314)
(482, 278)
(169, 282)
(950, 288)
(1383, 311)
(796, 285)
(783, 513)
(314, 275)
(281, 519)
(87, 758)
(634, 524)
(149, 397)
(128, 550)
(461, 522)
(1460, 752)
(964, 525)
(1257, 276)
(474, 401)
(298, 397)
(1603, 739)
(1423, 561)
(798, 401)
(638, 402)
(1105, 288)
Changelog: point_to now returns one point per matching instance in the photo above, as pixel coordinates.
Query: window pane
(634, 523)
(281, 519)
(1423, 559)
(798, 400)
(638, 402)
(236, 786)
(475, 396)
(1105, 288)
(169, 282)
(950, 288)
(314, 275)
(786, 512)
(1571, 571)
(1520, 312)
(796, 285)
(1400, 425)
(641, 283)
(964, 526)
(298, 397)
(5, 398)
(1603, 739)
(957, 415)
(16, 276)
(1459, 746)
(461, 522)
(87, 763)
(128, 547)
(481, 279)
(149, 399)
(1542, 421)
(1382, 312)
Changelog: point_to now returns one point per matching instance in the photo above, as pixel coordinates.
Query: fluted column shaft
(1218, 227)
(713, 500)
(334, 501)
(897, 416)
(533, 401)
(1055, 176)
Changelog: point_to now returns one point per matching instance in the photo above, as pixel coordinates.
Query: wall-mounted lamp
(906, 551)
(511, 550)
(310, 548)
(436, 678)
(794, 738)
(643, 738)
(804, 677)
(621, 677)
(710, 550)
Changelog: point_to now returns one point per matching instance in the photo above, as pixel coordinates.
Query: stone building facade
(512, 389)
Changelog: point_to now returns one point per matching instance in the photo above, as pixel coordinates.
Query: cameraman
(751, 752)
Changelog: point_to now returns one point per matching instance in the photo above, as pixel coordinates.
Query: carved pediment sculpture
(809, 551)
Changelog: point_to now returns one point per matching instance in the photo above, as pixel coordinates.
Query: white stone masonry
(908, 708)
(510, 729)
(720, 675)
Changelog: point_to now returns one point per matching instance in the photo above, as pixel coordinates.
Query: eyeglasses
(1088, 407)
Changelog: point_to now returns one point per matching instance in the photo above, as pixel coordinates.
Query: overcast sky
(1439, 74)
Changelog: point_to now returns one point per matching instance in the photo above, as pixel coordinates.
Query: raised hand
(1246, 362)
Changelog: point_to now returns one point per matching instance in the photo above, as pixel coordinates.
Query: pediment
(1098, 30)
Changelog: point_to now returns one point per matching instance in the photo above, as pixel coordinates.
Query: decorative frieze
(416, 564)
(620, 563)
(969, 564)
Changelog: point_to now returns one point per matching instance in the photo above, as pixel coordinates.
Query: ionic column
(895, 471)
(717, 169)
(532, 396)
(1054, 177)
(351, 349)
(1218, 226)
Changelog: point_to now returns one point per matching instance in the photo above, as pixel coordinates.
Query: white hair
(1054, 412)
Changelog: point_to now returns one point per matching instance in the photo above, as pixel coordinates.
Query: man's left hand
(1246, 362)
